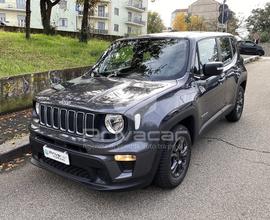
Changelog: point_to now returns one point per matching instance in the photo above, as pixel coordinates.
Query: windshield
(155, 59)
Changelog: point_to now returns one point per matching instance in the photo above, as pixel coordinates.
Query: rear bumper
(99, 171)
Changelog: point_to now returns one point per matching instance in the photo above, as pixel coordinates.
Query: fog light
(125, 158)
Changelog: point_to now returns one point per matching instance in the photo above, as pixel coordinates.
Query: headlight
(114, 123)
(37, 108)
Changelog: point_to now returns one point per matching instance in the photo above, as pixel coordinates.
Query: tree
(233, 24)
(259, 21)
(27, 19)
(195, 23)
(46, 11)
(179, 23)
(87, 6)
(84, 28)
(155, 24)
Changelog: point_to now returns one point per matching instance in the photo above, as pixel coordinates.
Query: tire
(260, 53)
(236, 113)
(174, 160)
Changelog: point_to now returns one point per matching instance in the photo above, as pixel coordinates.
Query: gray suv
(132, 119)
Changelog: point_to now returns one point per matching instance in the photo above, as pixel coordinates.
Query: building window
(116, 27)
(21, 21)
(63, 22)
(2, 1)
(63, 4)
(101, 11)
(101, 25)
(129, 16)
(116, 11)
(21, 4)
(129, 30)
(2, 17)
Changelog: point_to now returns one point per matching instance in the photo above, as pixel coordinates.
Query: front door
(211, 89)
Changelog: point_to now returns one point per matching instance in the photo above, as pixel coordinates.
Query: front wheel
(236, 113)
(174, 160)
(260, 53)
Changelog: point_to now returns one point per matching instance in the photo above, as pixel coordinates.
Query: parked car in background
(250, 48)
(132, 119)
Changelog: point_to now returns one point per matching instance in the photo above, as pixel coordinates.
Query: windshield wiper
(114, 74)
(91, 73)
(152, 72)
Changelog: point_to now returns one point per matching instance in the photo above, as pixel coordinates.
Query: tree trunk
(45, 11)
(28, 19)
(84, 28)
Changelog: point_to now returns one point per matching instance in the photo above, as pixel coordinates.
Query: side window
(249, 44)
(226, 50)
(208, 51)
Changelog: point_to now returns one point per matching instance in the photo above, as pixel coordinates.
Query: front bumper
(99, 171)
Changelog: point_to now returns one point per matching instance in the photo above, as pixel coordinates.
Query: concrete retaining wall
(17, 92)
(62, 33)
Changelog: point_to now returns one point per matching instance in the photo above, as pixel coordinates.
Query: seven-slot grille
(72, 121)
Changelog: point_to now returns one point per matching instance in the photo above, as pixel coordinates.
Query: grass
(42, 53)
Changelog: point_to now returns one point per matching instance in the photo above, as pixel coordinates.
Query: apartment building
(208, 9)
(12, 12)
(113, 17)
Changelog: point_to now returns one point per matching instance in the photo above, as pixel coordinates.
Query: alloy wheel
(179, 157)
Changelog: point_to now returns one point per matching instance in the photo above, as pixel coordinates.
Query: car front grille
(72, 170)
(71, 121)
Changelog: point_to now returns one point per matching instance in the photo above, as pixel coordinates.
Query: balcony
(104, 16)
(99, 31)
(135, 6)
(136, 22)
(13, 7)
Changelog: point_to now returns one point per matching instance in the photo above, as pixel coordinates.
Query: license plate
(56, 155)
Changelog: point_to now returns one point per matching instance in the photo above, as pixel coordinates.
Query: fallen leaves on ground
(5, 167)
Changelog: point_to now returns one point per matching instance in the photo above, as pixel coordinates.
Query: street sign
(224, 14)
(221, 7)
(222, 26)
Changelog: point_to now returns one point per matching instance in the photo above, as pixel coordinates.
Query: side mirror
(213, 68)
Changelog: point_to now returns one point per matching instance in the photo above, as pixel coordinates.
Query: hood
(103, 94)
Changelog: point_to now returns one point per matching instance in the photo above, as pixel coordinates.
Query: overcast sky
(166, 7)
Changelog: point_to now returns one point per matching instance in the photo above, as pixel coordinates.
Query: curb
(251, 59)
(15, 153)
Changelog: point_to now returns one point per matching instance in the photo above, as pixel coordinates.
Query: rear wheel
(174, 160)
(236, 113)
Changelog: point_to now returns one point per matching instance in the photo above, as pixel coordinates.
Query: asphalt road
(229, 177)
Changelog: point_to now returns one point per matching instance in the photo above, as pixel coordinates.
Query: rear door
(229, 57)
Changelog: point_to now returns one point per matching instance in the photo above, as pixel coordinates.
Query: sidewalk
(14, 125)
(14, 134)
